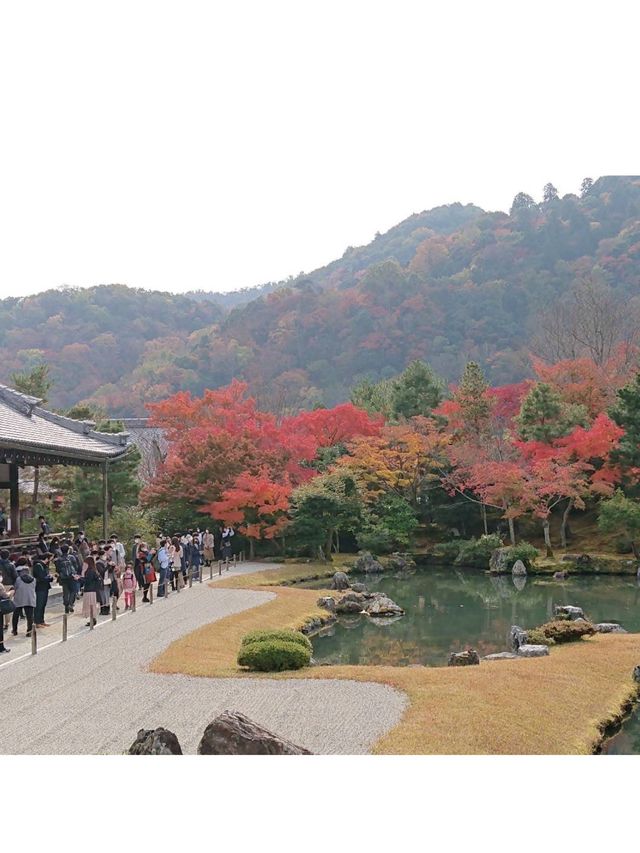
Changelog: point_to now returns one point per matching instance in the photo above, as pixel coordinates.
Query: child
(129, 584)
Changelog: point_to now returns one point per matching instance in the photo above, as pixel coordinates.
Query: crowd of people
(99, 572)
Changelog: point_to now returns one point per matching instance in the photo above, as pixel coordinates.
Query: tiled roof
(26, 427)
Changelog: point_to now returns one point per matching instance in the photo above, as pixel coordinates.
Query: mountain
(446, 285)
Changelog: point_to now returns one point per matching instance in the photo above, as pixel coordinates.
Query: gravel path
(92, 694)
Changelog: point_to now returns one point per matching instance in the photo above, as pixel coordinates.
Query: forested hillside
(446, 286)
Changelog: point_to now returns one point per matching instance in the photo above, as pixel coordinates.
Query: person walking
(6, 608)
(44, 527)
(8, 577)
(67, 576)
(119, 551)
(43, 585)
(24, 598)
(148, 572)
(175, 555)
(92, 586)
(227, 533)
(129, 584)
(196, 562)
(41, 544)
(165, 567)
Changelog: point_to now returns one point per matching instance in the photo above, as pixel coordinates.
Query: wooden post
(14, 499)
(114, 615)
(150, 593)
(65, 626)
(210, 571)
(219, 567)
(91, 619)
(105, 498)
(133, 602)
(200, 573)
(190, 577)
(34, 640)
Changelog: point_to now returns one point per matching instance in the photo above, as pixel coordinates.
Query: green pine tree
(417, 391)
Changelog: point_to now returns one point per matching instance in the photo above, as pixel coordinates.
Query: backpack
(65, 568)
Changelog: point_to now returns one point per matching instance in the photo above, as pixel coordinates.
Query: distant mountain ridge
(444, 285)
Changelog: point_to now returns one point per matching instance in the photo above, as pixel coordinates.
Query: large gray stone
(609, 628)
(533, 651)
(327, 602)
(569, 611)
(469, 657)
(517, 637)
(358, 587)
(352, 602)
(340, 581)
(232, 733)
(401, 563)
(636, 673)
(499, 559)
(519, 568)
(502, 656)
(155, 742)
(367, 563)
(383, 606)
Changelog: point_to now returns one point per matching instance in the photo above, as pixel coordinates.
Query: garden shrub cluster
(476, 552)
(524, 551)
(274, 651)
(537, 637)
(563, 630)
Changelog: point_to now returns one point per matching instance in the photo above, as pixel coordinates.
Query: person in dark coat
(8, 577)
(92, 586)
(43, 584)
(4, 596)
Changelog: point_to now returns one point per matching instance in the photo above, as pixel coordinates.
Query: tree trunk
(634, 548)
(252, 549)
(337, 547)
(547, 537)
(565, 519)
(512, 532)
(329, 543)
(484, 519)
(36, 485)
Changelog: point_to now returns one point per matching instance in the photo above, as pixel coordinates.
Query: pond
(450, 609)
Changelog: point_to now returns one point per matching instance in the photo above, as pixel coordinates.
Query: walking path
(92, 693)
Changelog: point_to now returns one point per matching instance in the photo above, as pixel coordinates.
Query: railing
(32, 538)
(237, 558)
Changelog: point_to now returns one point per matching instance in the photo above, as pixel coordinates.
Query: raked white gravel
(92, 693)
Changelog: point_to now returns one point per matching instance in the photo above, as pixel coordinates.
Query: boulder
(358, 587)
(502, 656)
(401, 563)
(568, 611)
(609, 628)
(232, 733)
(499, 559)
(517, 637)
(352, 602)
(340, 581)
(155, 742)
(559, 576)
(636, 673)
(519, 568)
(519, 582)
(327, 602)
(530, 651)
(469, 657)
(383, 606)
(367, 563)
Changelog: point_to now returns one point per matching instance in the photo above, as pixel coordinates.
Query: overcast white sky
(181, 145)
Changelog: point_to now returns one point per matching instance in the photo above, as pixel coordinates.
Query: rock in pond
(469, 657)
(609, 628)
(383, 606)
(519, 568)
(340, 581)
(352, 602)
(530, 651)
(155, 742)
(401, 563)
(358, 587)
(498, 562)
(559, 576)
(502, 656)
(327, 602)
(232, 733)
(569, 611)
(368, 564)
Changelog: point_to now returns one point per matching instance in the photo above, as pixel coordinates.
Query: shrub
(476, 552)
(623, 545)
(448, 551)
(566, 631)
(522, 551)
(288, 636)
(274, 656)
(537, 637)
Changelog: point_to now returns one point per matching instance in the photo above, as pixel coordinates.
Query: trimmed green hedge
(273, 655)
(565, 631)
(288, 636)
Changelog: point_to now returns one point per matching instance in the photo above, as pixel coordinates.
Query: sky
(199, 145)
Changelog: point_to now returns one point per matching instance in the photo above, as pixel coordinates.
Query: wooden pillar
(14, 500)
(105, 499)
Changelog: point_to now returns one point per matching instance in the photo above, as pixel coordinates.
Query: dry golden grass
(548, 705)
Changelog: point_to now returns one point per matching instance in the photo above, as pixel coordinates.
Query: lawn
(552, 705)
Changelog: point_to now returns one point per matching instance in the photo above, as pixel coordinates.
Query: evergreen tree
(549, 193)
(544, 416)
(36, 383)
(417, 391)
(471, 396)
(585, 186)
(626, 414)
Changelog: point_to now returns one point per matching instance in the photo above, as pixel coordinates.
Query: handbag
(6, 606)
